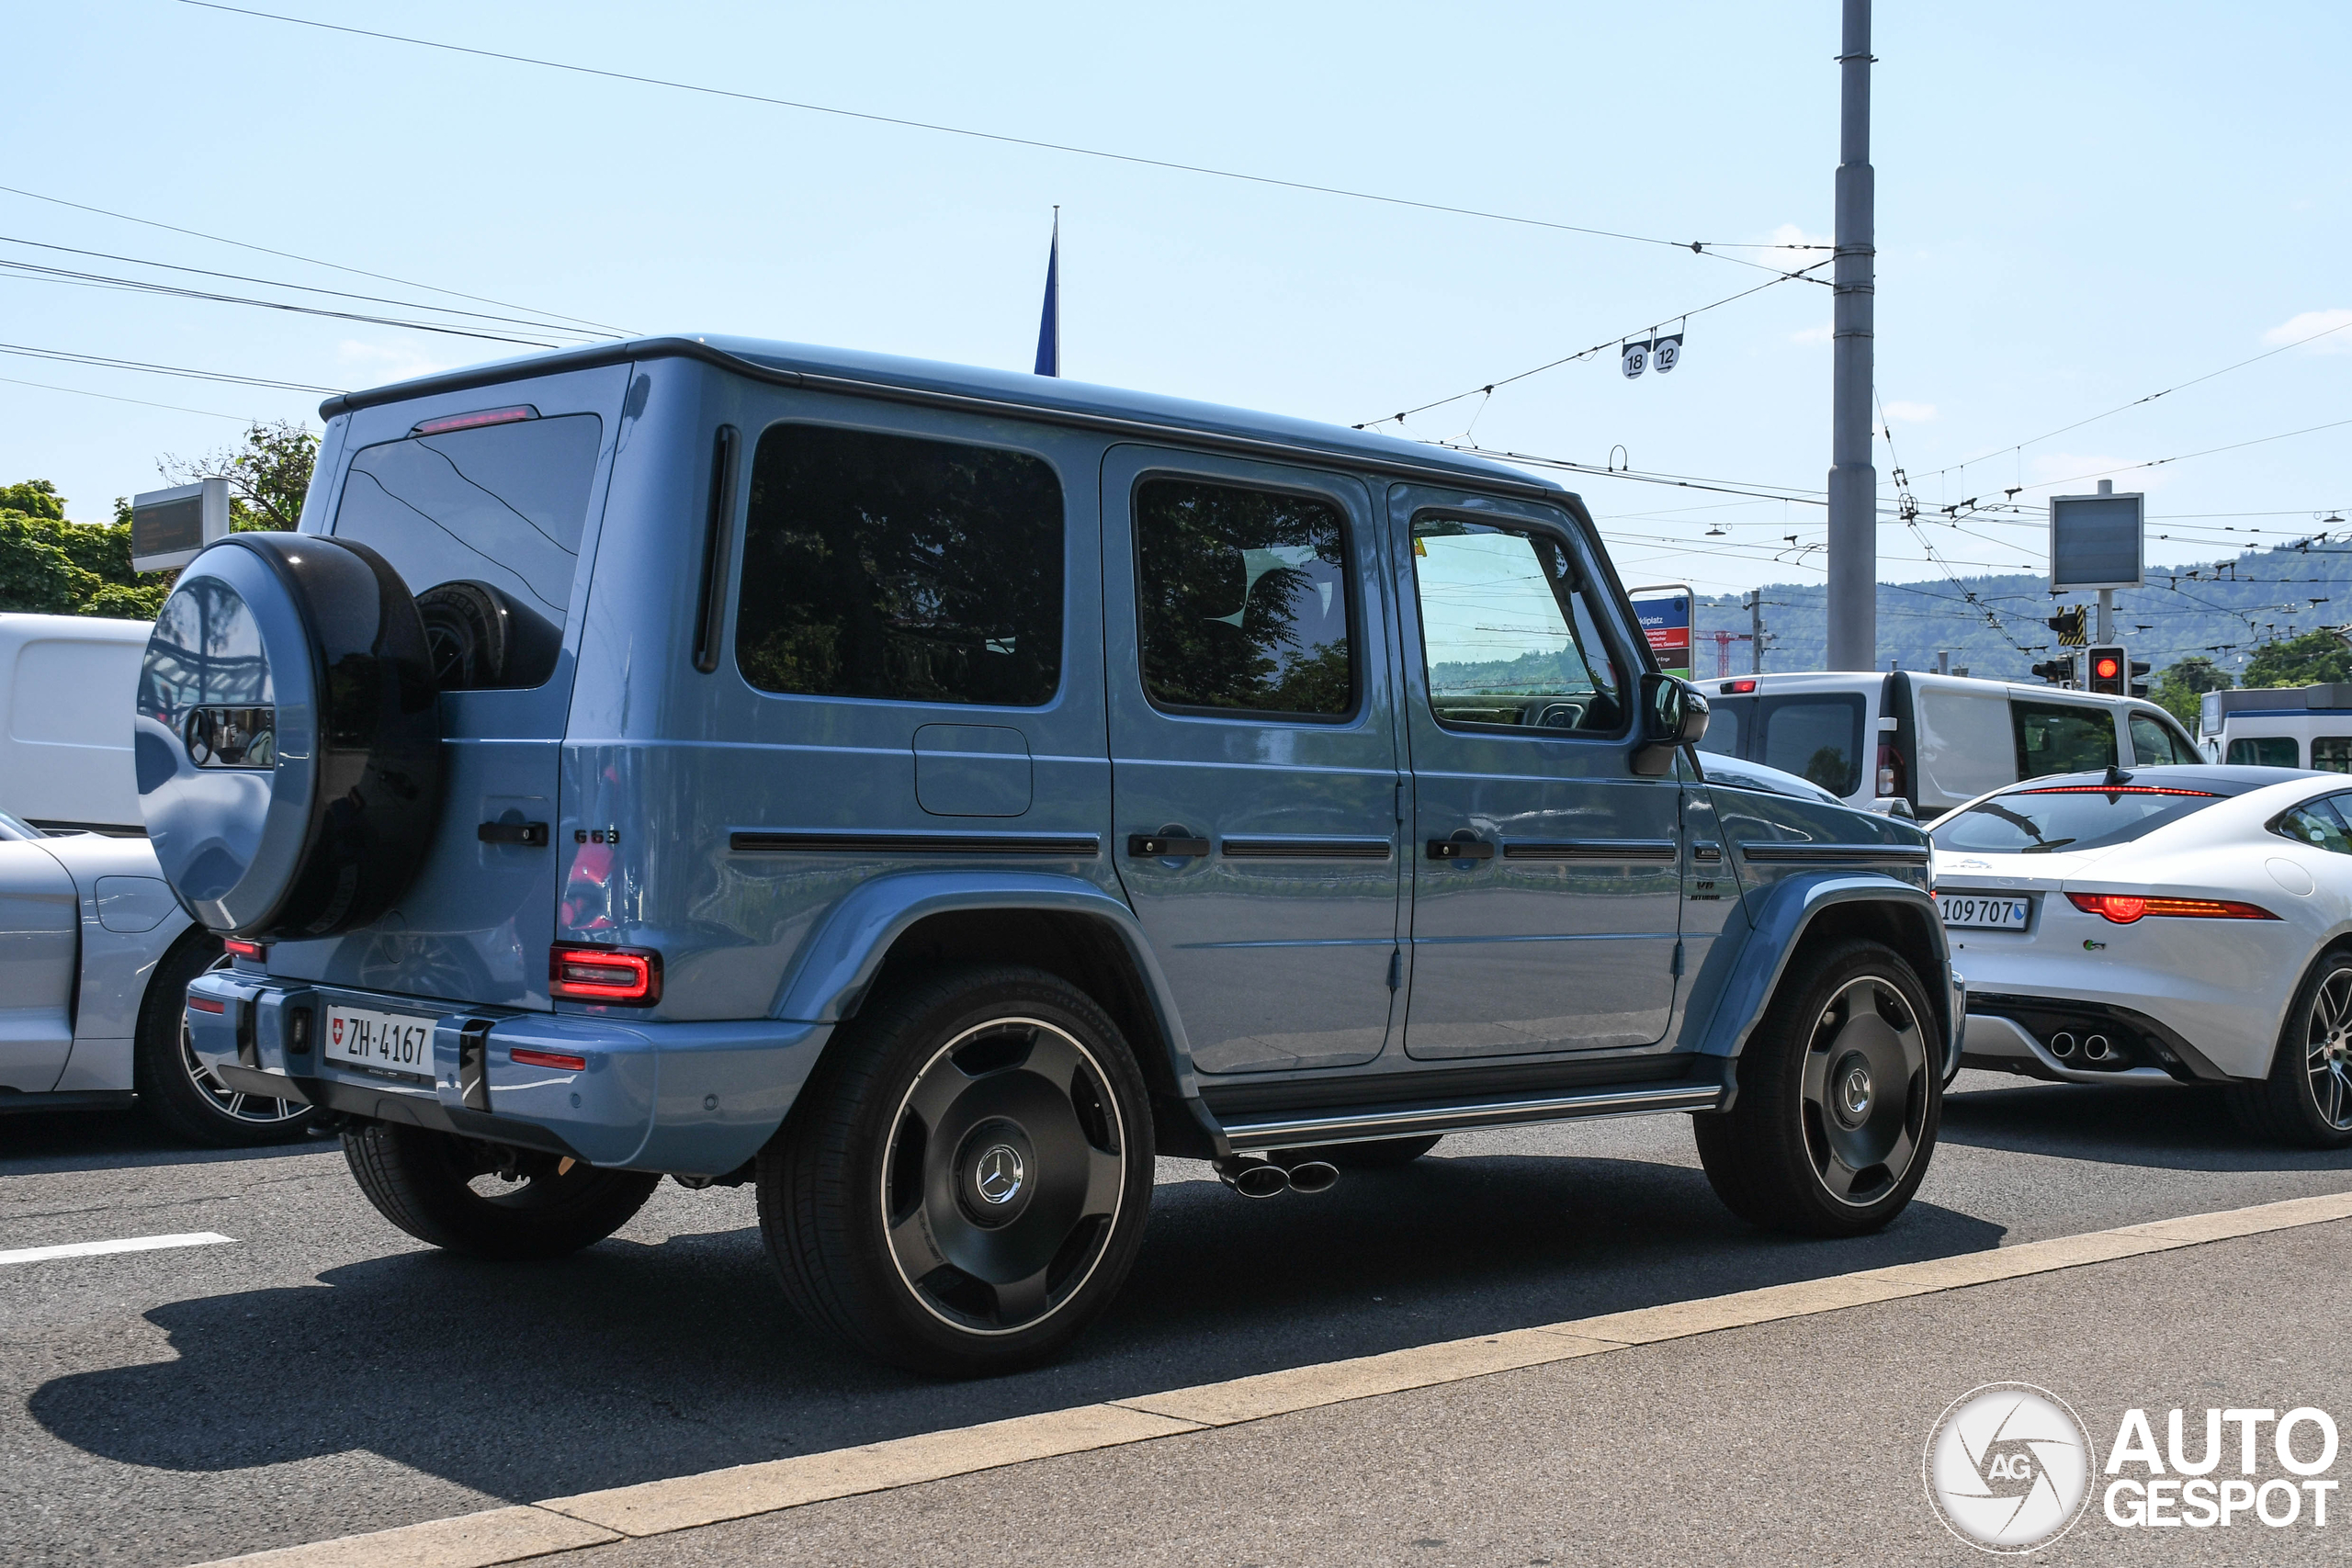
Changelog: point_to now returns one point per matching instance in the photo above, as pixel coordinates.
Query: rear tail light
(623, 977)
(208, 1004)
(1894, 777)
(2125, 908)
(240, 948)
(523, 1057)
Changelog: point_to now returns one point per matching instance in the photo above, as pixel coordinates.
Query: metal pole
(1852, 598)
(1756, 633)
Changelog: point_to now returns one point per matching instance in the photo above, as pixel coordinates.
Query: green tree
(2180, 687)
(34, 498)
(2306, 660)
(49, 565)
(268, 473)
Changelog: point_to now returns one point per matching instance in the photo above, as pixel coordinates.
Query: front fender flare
(1744, 967)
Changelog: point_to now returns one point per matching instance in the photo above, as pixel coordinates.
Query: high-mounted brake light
(240, 948)
(473, 420)
(523, 1057)
(2117, 789)
(584, 971)
(2122, 909)
(1737, 688)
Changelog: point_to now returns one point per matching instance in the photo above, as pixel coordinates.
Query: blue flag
(1049, 325)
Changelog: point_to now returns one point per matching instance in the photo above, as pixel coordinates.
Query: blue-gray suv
(930, 793)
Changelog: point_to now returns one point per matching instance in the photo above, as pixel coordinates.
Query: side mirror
(1674, 715)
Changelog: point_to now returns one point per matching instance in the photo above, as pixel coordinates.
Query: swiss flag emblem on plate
(338, 1030)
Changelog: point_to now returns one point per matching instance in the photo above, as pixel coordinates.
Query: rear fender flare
(842, 956)
(1742, 972)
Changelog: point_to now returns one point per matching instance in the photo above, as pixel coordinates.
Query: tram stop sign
(1664, 614)
(2096, 541)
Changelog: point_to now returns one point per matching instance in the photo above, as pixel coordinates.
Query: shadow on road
(39, 1142)
(2164, 1126)
(632, 1361)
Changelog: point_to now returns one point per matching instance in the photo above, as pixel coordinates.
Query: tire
(175, 1089)
(2307, 1101)
(1809, 1147)
(963, 1185)
(1380, 1154)
(485, 1201)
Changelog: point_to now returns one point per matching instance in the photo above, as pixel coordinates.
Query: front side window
(1241, 600)
(1509, 631)
(1817, 738)
(2264, 751)
(2153, 742)
(2062, 738)
(900, 568)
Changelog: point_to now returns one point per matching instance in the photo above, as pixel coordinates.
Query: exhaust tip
(2096, 1049)
(1314, 1176)
(1254, 1178)
(2061, 1045)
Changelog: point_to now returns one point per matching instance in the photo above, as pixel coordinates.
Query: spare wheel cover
(288, 737)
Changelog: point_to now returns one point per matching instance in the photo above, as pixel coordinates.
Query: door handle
(1462, 847)
(1161, 846)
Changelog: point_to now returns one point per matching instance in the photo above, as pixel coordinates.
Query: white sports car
(2188, 923)
(96, 956)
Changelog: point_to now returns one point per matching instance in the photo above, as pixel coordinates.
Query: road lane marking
(99, 1249)
(688, 1501)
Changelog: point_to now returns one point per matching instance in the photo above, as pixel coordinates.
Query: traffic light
(2070, 627)
(2139, 669)
(2108, 669)
(2057, 671)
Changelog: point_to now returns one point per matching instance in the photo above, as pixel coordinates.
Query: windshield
(2066, 817)
(12, 829)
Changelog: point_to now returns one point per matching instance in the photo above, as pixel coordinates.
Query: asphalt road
(325, 1375)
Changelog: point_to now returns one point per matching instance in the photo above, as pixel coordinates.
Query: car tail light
(240, 948)
(208, 1004)
(473, 420)
(585, 972)
(1893, 775)
(1737, 688)
(523, 1057)
(2125, 908)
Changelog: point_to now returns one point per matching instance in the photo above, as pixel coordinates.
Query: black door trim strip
(1059, 846)
(1893, 854)
(1306, 849)
(1590, 849)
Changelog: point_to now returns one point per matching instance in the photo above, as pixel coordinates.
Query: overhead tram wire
(1711, 248)
(278, 283)
(312, 261)
(1800, 274)
(142, 402)
(68, 357)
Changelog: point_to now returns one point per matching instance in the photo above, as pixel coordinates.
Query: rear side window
(2066, 817)
(2264, 751)
(2153, 742)
(501, 504)
(2331, 753)
(894, 567)
(2317, 823)
(1818, 738)
(1241, 600)
(2062, 738)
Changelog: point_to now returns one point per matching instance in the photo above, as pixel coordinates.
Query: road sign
(2096, 541)
(1664, 610)
(170, 527)
(1665, 352)
(1634, 357)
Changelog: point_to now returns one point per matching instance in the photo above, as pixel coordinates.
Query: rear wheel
(488, 1200)
(2307, 1101)
(177, 1090)
(1840, 1093)
(963, 1186)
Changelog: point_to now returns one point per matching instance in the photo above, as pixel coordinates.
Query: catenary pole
(1852, 598)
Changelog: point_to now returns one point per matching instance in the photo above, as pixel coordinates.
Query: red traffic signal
(2107, 668)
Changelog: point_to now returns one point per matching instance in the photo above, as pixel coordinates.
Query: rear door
(1254, 759)
(2054, 735)
(502, 487)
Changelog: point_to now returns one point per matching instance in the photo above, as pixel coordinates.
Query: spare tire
(287, 737)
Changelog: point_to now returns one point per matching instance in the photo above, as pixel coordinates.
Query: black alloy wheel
(178, 1090)
(2307, 1100)
(1840, 1095)
(963, 1186)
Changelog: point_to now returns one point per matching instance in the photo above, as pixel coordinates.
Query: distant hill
(2223, 610)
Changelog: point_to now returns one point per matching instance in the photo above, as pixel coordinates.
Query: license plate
(383, 1041)
(1981, 913)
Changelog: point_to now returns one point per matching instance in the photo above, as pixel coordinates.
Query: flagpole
(1049, 321)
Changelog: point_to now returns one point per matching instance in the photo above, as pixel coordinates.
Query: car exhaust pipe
(1313, 1176)
(1254, 1178)
(2061, 1045)
(2096, 1048)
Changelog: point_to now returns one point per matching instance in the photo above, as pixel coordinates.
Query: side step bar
(1295, 1130)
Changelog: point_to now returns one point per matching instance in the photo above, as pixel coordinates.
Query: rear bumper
(2013, 1034)
(684, 1099)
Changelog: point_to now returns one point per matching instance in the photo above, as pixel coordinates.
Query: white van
(2284, 727)
(1919, 744)
(65, 684)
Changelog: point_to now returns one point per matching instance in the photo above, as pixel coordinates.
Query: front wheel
(2307, 1100)
(488, 1200)
(1839, 1098)
(963, 1186)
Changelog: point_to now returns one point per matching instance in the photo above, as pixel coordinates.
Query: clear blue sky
(2078, 205)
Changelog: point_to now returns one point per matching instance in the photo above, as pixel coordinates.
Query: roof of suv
(923, 380)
